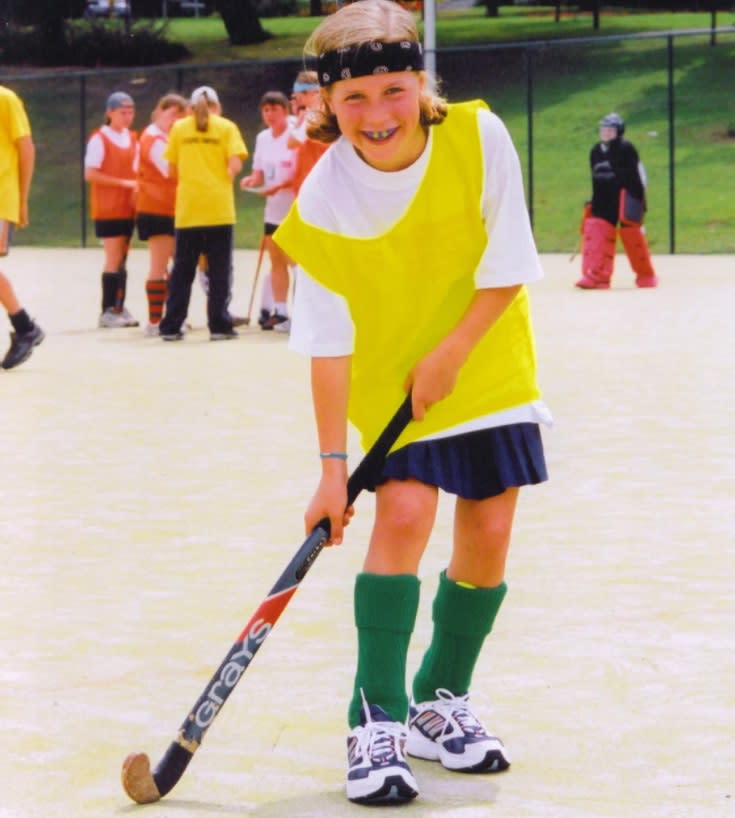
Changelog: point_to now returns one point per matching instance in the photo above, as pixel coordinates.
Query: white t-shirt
(278, 163)
(158, 148)
(343, 194)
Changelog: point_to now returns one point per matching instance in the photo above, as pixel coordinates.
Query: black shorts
(270, 229)
(154, 224)
(112, 228)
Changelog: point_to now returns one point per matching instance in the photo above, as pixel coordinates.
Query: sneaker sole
(493, 761)
(394, 790)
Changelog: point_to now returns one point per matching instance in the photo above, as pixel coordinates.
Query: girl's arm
(96, 175)
(255, 179)
(26, 164)
(330, 388)
(434, 376)
(234, 166)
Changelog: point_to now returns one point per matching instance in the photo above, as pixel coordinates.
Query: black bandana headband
(365, 59)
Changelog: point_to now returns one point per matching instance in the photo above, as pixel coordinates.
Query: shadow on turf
(441, 792)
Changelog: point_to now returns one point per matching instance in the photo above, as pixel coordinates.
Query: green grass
(574, 86)
(207, 39)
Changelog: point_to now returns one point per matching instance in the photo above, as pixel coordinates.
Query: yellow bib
(408, 287)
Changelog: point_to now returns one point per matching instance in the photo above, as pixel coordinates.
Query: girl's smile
(380, 136)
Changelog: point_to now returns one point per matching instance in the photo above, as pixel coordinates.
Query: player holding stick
(415, 243)
(618, 198)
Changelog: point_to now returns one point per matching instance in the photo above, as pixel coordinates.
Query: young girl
(308, 151)
(156, 203)
(109, 167)
(415, 243)
(273, 168)
(205, 152)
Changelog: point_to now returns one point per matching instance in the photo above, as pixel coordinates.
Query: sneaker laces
(380, 741)
(458, 709)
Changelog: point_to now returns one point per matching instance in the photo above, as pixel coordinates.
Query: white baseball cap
(204, 91)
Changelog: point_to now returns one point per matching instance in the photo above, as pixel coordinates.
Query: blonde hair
(307, 77)
(358, 23)
(170, 101)
(203, 105)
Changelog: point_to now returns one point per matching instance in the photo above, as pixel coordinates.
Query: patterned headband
(365, 59)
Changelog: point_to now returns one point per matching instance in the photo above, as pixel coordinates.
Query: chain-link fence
(675, 92)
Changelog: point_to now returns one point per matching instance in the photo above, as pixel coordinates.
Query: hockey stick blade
(145, 786)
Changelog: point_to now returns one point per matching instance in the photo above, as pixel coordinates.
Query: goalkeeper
(618, 199)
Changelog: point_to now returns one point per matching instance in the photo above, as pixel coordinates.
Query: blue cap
(119, 99)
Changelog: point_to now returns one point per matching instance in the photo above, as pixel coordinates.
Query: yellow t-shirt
(408, 287)
(13, 126)
(204, 193)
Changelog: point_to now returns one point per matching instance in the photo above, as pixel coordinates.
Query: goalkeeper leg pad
(598, 254)
(636, 248)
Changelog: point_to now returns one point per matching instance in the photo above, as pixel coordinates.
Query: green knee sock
(463, 617)
(385, 613)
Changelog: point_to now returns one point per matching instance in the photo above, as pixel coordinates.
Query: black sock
(109, 290)
(122, 286)
(21, 321)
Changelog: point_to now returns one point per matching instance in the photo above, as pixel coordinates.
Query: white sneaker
(110, 319)
(446, 730)
(129, 320)
(377, 770)
(151, 330)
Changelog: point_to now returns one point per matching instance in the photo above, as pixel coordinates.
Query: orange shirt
(307, 155)
(108, 201)
(156, 192)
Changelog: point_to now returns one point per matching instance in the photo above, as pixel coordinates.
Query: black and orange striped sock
(122, 285)
(156, 291)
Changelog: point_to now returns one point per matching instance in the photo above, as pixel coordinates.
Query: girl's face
(275, 117)
(305, 100)
(607, 134)
(380, 115)
(167, 117)
(122, 117)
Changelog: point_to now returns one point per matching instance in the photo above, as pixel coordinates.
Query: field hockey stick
(144, 786)
(577, 249)
(255, 279)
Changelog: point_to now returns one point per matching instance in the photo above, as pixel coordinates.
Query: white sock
(266, 295)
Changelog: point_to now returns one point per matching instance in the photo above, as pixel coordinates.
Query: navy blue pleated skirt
(475, 465)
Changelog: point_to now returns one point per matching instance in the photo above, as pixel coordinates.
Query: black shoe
(263, 318)
(223, 336)
(281, 323)
(172, 336)
(21, 346)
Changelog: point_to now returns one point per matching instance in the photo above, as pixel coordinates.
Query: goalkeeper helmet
(613, 121)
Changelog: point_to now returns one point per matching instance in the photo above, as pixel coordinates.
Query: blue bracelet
(333, 455)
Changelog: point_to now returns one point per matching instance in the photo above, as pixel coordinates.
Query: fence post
(83, 147)
(672, 173)
(529, 121)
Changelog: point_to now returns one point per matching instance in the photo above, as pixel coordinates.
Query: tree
(241, 21)
(48, 16)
